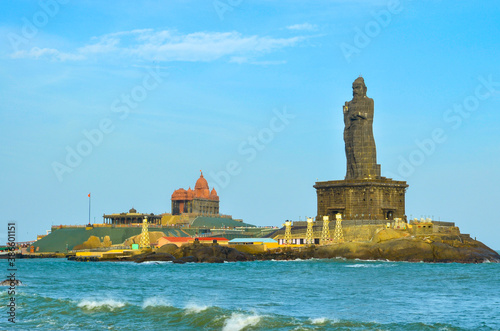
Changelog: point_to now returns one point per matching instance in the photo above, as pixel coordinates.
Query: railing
(100, 225)
(443, 223)
(67, 226)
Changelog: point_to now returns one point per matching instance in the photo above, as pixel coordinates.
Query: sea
(318, 294)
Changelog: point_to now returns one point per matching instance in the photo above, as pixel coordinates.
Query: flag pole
(89, 207)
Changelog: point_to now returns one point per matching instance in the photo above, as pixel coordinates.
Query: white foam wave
(323, 320)
(100, 304)
(154, 262)
(193, 308)
(239, 321)
(296, 260)
(319, 320)
(155, 302)
(362, 265)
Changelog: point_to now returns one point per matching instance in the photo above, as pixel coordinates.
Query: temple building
(132, 217)
(364, 194)
(198, 201)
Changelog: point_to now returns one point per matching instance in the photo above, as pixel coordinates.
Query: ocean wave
(318, 320)
(364, 266)
(371, 264)
(193, 308)
(238, 321)
(378, 260)
(109, 304)
(154, 262)
(295, 260)
(155, 302)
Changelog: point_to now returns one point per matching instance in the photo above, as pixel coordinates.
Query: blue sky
(250, 92)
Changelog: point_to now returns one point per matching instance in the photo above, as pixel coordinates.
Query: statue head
(359, 88)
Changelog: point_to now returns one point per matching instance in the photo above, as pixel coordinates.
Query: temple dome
(201, 189)
(180, 194)
(201, 183)
(213, 195)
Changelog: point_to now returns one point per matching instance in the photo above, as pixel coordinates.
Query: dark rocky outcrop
(428, 249)
(11, 282)
(192, 253)
(152, 256)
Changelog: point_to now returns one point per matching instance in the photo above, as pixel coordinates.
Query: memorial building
(198, 201)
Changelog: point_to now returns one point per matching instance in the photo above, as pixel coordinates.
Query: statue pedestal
(361, 199)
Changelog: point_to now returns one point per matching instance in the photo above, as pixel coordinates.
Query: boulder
(189, 259)
(106, 242)
(168, 248)
(92, 242)
(214, 259)
(155, 257)
(11, 282)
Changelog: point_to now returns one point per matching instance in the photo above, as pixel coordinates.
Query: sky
(128, 101)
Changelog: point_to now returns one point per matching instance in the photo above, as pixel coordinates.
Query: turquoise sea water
(262, 295)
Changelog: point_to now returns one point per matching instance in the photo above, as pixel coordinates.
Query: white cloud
(302, 27)
(167, 45)
(242, 60)
(50, 53)
(106, 44)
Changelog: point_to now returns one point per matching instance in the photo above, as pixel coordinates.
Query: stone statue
(360, 148)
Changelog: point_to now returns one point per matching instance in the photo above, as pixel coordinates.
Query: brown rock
(107, 242)
(168, 248)
(388, 234)
(153, 257)
(92, 242)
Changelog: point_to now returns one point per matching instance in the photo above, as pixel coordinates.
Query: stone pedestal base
(376, 199)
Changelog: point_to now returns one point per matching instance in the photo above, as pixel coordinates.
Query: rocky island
(386, 244)
(362, 216)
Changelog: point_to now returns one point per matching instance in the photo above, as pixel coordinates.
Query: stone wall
(205, 206)
(361, 199)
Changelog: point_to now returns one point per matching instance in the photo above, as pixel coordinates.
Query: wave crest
(319, 320)
(110, 304)
(155, 302)
(239, 321)
(193, 308)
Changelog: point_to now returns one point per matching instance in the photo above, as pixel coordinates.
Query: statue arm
(368, 111)
(345, 109)
(358, 115)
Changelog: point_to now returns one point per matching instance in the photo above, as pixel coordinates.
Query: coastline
(401, 249)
